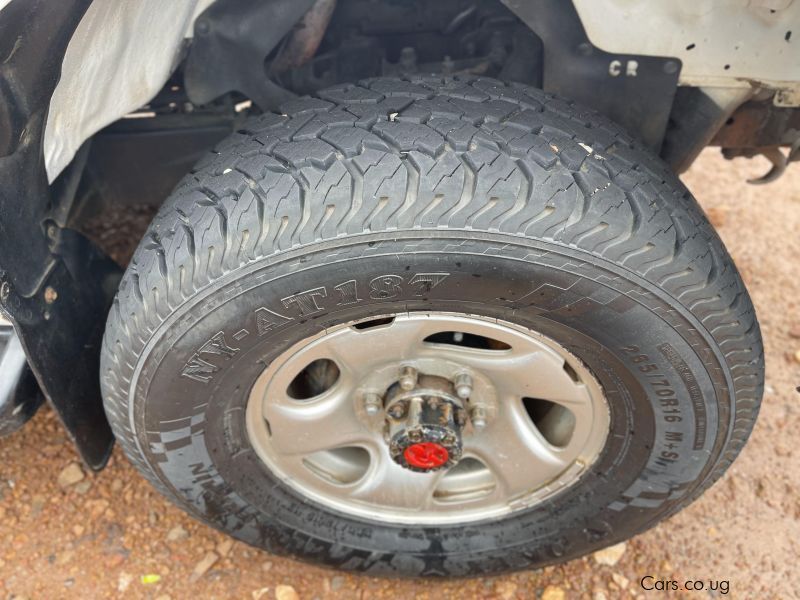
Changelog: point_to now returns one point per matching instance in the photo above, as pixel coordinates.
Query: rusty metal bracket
(634, 91)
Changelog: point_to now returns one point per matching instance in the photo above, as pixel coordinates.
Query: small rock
(177, 534)
(124, 581)
(96, 507)
(610, 556)
(71, 475)
(620, 580)
(552, 592)
(83, 487)
(337, 583)
(286, 592)
(116, 486)
(114, 560)
(599, 595)
(78, 530)
(224, 547)
(266, 566)
(204, 565)
(506, 589)
(797, 356)
(260, 593)
(733, 485)
(795, 332)
(37, 504)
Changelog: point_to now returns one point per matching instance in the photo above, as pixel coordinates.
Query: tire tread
(422, 153)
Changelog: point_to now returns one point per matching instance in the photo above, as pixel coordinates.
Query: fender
(55, 285)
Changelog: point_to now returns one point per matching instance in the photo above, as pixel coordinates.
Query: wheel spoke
(303, 427)
(519, 372)
(361, 350)
(388, 484)
(518, 456)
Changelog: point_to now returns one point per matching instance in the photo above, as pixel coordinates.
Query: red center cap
(426, 455)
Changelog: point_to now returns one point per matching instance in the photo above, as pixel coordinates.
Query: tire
(536, 211)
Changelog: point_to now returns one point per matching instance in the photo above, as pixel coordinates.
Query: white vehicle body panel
(721, 43)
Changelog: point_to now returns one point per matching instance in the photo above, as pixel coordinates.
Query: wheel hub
(424, 423)
(427, 418)
(426, 455)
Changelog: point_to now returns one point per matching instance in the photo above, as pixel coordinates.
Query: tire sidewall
(636, 342)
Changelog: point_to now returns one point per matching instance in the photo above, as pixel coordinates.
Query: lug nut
(478, 417)
(408, 378)
(463, 384)
(372, 404)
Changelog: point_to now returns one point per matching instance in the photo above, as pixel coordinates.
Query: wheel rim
(545, 418)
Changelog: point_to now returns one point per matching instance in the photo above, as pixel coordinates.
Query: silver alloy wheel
(309, 420)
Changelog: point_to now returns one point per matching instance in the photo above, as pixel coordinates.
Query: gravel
(70, 475)
(59, 539)
(610, 556)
